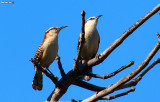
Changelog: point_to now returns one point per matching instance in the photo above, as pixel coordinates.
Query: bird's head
(92, 21)
(54, 30)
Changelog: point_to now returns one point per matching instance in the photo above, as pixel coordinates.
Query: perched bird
(91, 43)
(46, 54)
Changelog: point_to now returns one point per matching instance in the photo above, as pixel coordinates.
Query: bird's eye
(91, 19)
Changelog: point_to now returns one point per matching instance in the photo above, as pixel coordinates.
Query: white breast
(50, 48)
(91, 44)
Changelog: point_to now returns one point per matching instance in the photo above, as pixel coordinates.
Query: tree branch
(113, 87)
(80, 42)
(60, 66)
(88, 86)
(158, 35)
(135, 81)
(110, 75)
(118, 95)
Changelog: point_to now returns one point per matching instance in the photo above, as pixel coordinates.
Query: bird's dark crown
(56, 28)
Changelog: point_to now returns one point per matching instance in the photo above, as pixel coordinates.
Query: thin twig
(81, 41)
(135, 81)
(88, 86)
(118, 95)
(112, 74)
(158, 35)
(60, 66)
(149, 68)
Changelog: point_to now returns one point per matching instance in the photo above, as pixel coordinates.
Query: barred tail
(37, 82)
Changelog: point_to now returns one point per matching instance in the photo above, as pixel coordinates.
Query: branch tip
(83, 13)
(132, 62)
(158, 35)
(80, 42)
(60, 66)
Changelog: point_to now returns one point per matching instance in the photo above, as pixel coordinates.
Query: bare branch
(158, 35)
(95, 88)
(113, 87)
(112, 74)
(149, 68)
(135, 81)
(72, 100)
(88, 86)
(60, 66)
(80, 42)
(118, 95)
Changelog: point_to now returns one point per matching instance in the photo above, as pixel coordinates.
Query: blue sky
(22, 29)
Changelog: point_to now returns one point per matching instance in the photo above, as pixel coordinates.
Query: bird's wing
(39, 54)
(98, 45)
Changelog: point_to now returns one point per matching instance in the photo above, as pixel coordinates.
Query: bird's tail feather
(37, 82)
(86, 77)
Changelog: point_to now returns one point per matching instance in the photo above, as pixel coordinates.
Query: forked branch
(135, 81)
(113, 87)
(112, 74)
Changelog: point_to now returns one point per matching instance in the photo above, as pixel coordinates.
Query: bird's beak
(99, 16)
(63, 27)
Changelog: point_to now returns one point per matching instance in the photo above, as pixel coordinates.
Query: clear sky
(22, 29)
